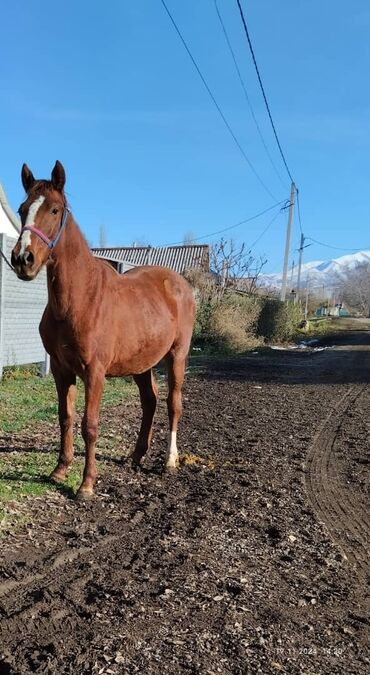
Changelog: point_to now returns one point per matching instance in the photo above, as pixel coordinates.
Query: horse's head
(43, 215)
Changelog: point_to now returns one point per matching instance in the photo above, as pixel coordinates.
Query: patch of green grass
(27, 402)
(27, 473)
(116, 389)
(317, 327)
(320, 325)
(26, 399)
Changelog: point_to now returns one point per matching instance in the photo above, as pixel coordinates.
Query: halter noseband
(51, 243)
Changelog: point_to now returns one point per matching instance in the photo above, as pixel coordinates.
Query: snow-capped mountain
(318, 272)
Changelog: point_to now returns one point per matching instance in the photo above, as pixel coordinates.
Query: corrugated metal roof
(178, 258)
(120, 265)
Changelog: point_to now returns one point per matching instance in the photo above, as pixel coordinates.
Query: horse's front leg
(94, 383)
(65, 382)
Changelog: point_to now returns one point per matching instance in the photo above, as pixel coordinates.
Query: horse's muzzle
(24, 265)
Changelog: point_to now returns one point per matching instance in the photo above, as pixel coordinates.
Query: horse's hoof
(135, 460)
(57, 478)
(84, 495)
(136, 457)
(171, 468)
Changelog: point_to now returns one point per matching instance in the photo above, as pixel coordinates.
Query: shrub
(235, 322)
(279, 320)
(205, 292)
(205, 309)
(228, 324)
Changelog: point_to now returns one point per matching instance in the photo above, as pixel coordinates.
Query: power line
(246, 92)
(299, 212)
(263, 90)
(226, 123)
(338, 248)
(231, 227)
(266, 229)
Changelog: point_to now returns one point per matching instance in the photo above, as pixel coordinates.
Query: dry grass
(233, 325)
(196, 460)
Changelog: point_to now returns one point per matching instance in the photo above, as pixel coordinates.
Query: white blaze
(31, 215)
(172, 453)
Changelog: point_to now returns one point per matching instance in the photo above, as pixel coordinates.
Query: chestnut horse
(98, 323)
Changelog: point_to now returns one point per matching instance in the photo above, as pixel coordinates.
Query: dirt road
(253, 559)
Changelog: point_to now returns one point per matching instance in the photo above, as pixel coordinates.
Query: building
(177, 258)
(9, 223)
(21, 304)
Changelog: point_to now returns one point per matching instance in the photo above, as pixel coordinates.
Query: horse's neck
(70, 272)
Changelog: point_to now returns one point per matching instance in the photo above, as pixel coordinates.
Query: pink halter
(51, 243)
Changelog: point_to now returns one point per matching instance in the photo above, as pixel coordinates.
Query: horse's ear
(27, 178)
(58, 176)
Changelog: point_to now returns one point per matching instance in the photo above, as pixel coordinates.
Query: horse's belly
(135, 365)
(139, 357)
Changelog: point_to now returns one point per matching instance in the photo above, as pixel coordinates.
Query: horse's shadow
(155, 469)
(78, 454)
(125, 462)
(42, 479)
(8, 449)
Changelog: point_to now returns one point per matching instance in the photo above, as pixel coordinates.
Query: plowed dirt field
(254, 558)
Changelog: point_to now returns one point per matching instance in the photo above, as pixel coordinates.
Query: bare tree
(188, 238)
(235, 266)
(354, 287)
(140, 243)
(102, 236)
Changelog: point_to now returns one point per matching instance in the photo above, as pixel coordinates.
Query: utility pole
(301, 247)
(287, 243)
(292, 276)
(307, 293)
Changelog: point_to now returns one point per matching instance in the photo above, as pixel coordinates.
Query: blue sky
(108, 89)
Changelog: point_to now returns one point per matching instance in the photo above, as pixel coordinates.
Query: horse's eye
(54, 211)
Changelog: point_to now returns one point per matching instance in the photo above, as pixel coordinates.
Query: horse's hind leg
(176, 371)
(148, 396)
(66, 387)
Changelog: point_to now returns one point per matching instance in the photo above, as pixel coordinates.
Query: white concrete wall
(21, 307)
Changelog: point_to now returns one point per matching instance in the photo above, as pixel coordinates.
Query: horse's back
(150, 278)
(148, 274)
(162, 286)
